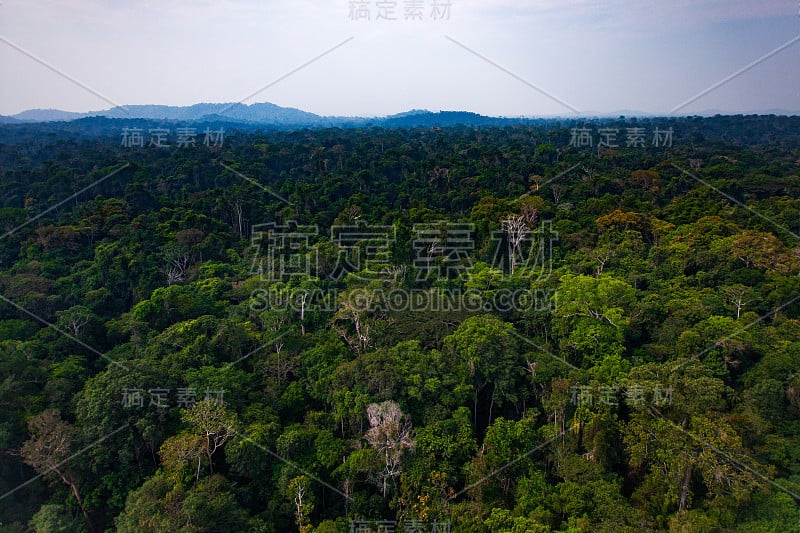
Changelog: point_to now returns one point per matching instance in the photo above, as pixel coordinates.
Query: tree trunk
(687, 479)
(77, 495)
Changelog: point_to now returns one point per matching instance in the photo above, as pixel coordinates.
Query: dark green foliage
(646, 377)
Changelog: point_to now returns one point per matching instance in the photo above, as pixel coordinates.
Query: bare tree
(516, 228)
(396, 273)
(602, 257)
(557, 191)
(74, 318)
(298, 489)
(303, 302)
(352, 213)
(276, 324)
(238, 218)
(348, 487)
(390, 433)
(177, 261)
(738, 296)
(213, 423)
(530, 367)
(353, 311)
(433, 247)
(49, 449)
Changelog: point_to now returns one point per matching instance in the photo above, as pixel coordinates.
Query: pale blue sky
(593, 55)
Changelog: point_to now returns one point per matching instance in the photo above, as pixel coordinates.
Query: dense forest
(478, 329)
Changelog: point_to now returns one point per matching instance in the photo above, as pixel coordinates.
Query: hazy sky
(489, 56)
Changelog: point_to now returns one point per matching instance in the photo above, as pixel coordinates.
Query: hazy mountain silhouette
(268, 114)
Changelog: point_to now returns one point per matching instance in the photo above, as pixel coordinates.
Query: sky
(494, 57)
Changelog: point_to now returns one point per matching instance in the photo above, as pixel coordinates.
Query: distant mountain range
(268, 114)
(260, 114)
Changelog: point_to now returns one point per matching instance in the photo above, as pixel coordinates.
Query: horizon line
(627, 113)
